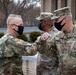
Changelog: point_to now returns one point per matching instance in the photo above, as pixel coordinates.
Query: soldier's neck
(12, 33)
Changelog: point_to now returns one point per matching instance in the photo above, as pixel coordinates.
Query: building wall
(51, 5)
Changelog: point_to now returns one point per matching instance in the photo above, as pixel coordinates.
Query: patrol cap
(61, 12)
(44, 15)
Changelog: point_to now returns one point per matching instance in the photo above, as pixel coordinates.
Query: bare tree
(23, 8)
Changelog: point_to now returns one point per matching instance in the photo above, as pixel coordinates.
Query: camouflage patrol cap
(44, 15)
(61, 12)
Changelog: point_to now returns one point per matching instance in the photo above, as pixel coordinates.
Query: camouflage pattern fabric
(11, 51)
(66, 46)
(59, 55)
(61, 12)
(48, 62)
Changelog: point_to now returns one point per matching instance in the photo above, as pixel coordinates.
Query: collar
(70, 34)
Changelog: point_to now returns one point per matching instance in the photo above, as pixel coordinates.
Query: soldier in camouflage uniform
(47, 60)
(66, 43)
(12, 49)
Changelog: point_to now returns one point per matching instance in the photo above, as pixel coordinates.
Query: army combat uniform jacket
(66, 47)
(11, 51)
(48, 63)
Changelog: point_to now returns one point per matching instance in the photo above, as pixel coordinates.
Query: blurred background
(28, 9)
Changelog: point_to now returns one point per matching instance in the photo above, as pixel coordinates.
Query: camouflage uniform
(59, 49)
(47, 59)
(66, 46)
(48, 63)
(11, 51)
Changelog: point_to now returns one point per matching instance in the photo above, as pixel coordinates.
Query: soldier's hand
(45, 36)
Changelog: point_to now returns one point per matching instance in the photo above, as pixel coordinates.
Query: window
(56, 4)
(66, 2)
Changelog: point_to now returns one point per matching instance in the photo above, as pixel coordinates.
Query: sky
(38, 4)
(17, 0)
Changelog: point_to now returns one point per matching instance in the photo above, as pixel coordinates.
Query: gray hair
(10, 17)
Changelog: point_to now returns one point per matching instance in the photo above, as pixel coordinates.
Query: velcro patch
(19, 42)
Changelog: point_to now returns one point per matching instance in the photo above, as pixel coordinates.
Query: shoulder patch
(19, 41)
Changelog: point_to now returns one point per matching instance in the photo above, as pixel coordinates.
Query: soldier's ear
(12, 26)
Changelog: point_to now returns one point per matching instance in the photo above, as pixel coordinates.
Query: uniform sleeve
(22, 47)
(42, 46)
(49, 44)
